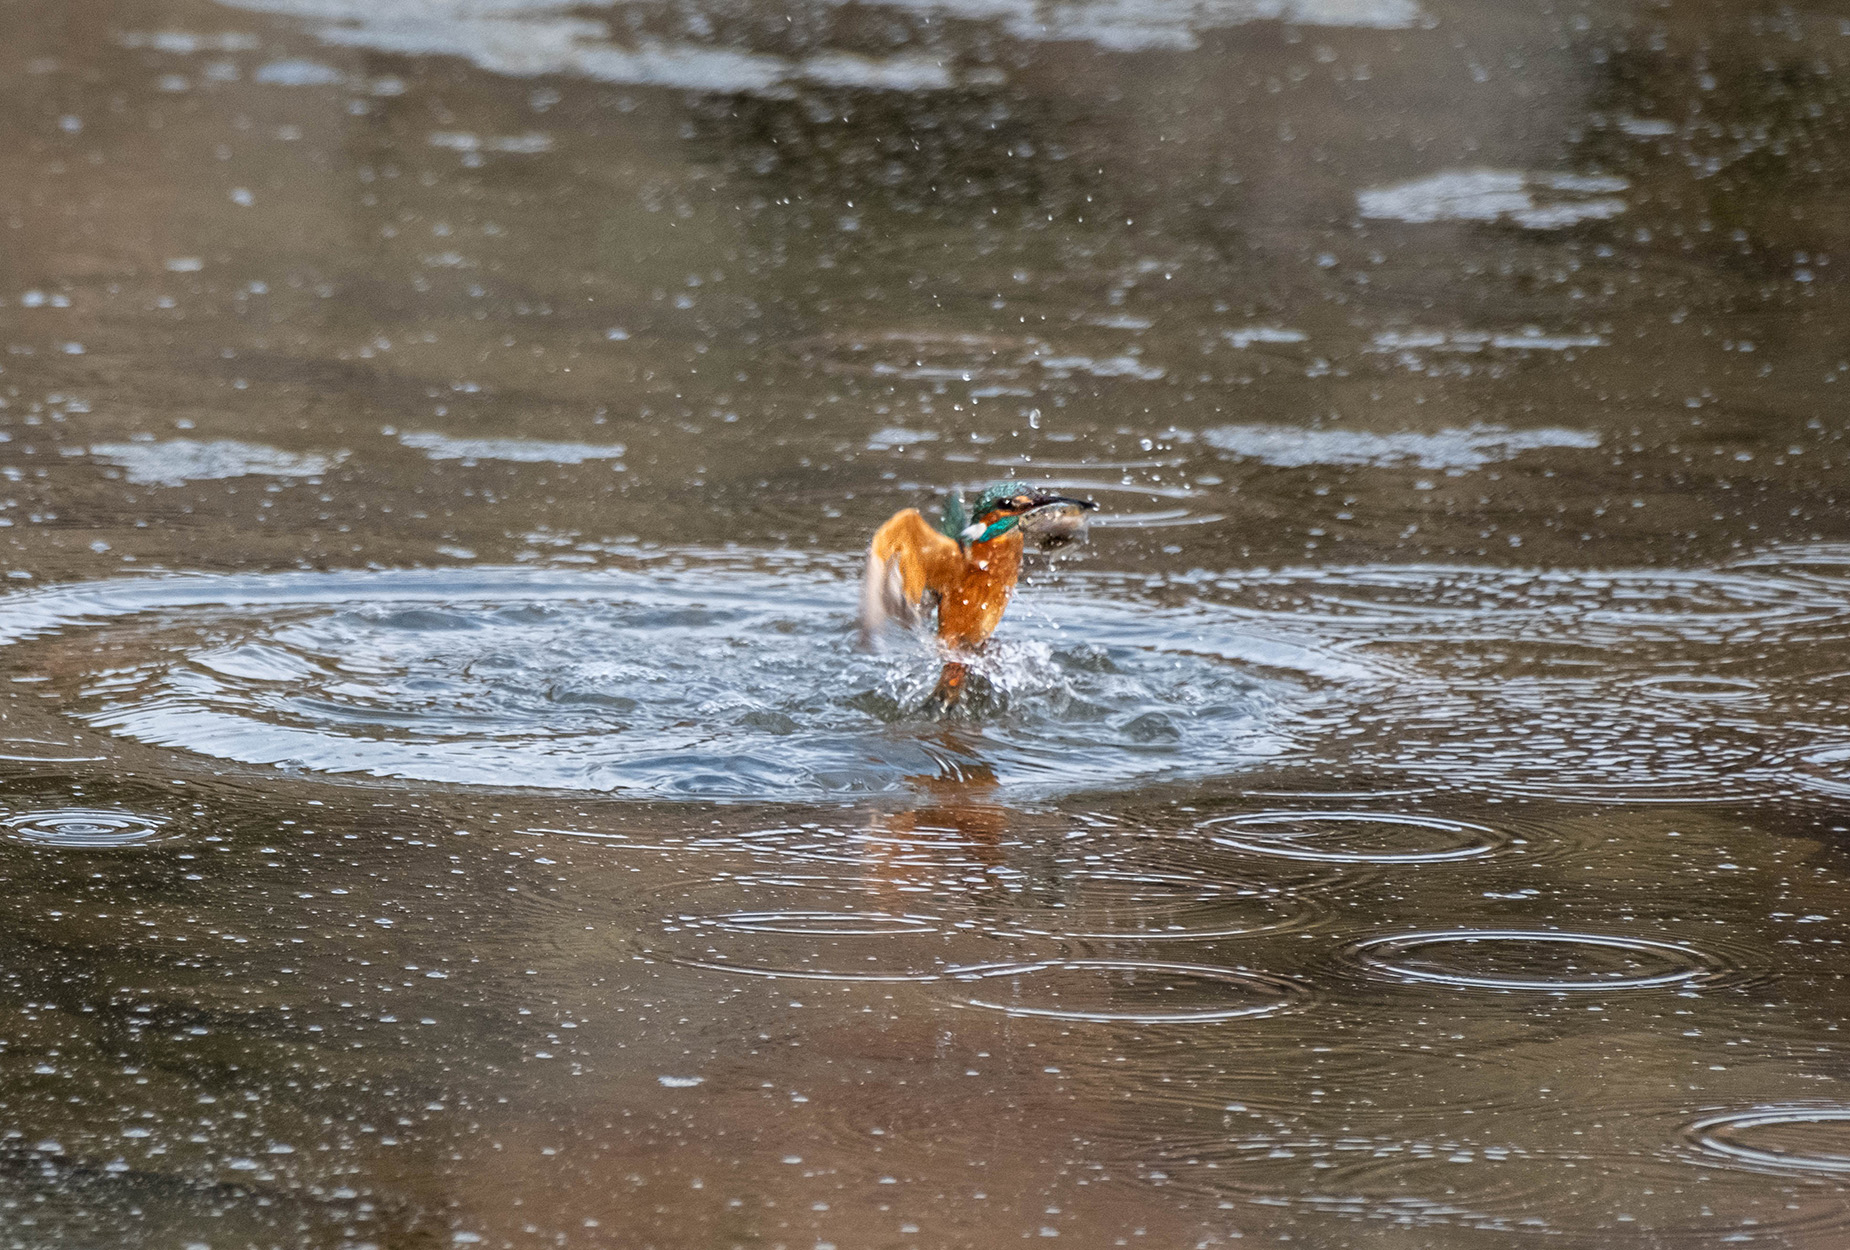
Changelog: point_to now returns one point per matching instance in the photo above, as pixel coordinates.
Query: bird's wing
(906, 559)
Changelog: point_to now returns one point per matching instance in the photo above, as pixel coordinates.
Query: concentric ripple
(1339, 837)
(874, 975)
(41, 751)
(1701, 688)
(1528, 682)
(1825, 769)
(707, 676)
(1128, 991)
(82, 828)
(728, 674)
(1516, 959)
(1589, 1196)
(1582, 600)
(1780, 1139)
(816, 923)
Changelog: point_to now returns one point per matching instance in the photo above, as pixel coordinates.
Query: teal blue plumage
(957, 517)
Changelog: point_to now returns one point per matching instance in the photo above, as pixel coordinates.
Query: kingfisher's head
(1001, 507)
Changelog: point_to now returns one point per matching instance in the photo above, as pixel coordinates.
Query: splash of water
(728, 675)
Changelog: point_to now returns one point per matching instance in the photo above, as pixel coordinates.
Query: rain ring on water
(1704, 688)
(773, 973)
(1784, 1139)
(1578, 1195)
(1128, 990)
(42, 751)
(1519, 959)
(1824, 768)
(1338, 837)
(822, 923)
(82, 828)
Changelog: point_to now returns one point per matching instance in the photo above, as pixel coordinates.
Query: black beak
(1048, 501)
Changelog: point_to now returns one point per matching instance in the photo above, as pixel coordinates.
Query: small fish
(1057, 524)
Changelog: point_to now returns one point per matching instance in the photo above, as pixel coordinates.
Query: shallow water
(440, 800)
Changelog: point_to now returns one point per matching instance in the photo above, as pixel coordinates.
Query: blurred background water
(440, 801)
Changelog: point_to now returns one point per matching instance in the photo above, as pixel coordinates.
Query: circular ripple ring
(82, 827)
(1275, 993)
(1718, 1135)
(1695, 687)
(1472, 841)
(818, 923)
(579, 680)
(1683, 965)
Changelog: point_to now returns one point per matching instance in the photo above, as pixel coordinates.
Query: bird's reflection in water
(954, 838)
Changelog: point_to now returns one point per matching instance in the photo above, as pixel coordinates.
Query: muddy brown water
(440, 803)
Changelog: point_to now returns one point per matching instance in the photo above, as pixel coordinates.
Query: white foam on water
(1536, 341)
(1536, 201)
(530, 37)
(1529, 340)
(893, 73)
(518, 450)
(1245, 338)
(298, 74)
(525, 38)
(1159, 25)
(894, 436)
(528, 144)
(1561, 216)
(186, 42)
(1647, 127)
(1101, 367)
(181, 460)
(1470, 447)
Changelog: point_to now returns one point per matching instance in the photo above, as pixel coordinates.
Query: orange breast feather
(969, 615)
(908, 559)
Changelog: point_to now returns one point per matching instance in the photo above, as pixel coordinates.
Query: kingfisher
(968, 565)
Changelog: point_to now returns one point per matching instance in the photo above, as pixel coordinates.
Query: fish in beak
(1056, 520)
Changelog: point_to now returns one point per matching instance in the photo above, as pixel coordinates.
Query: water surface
(440, 801)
